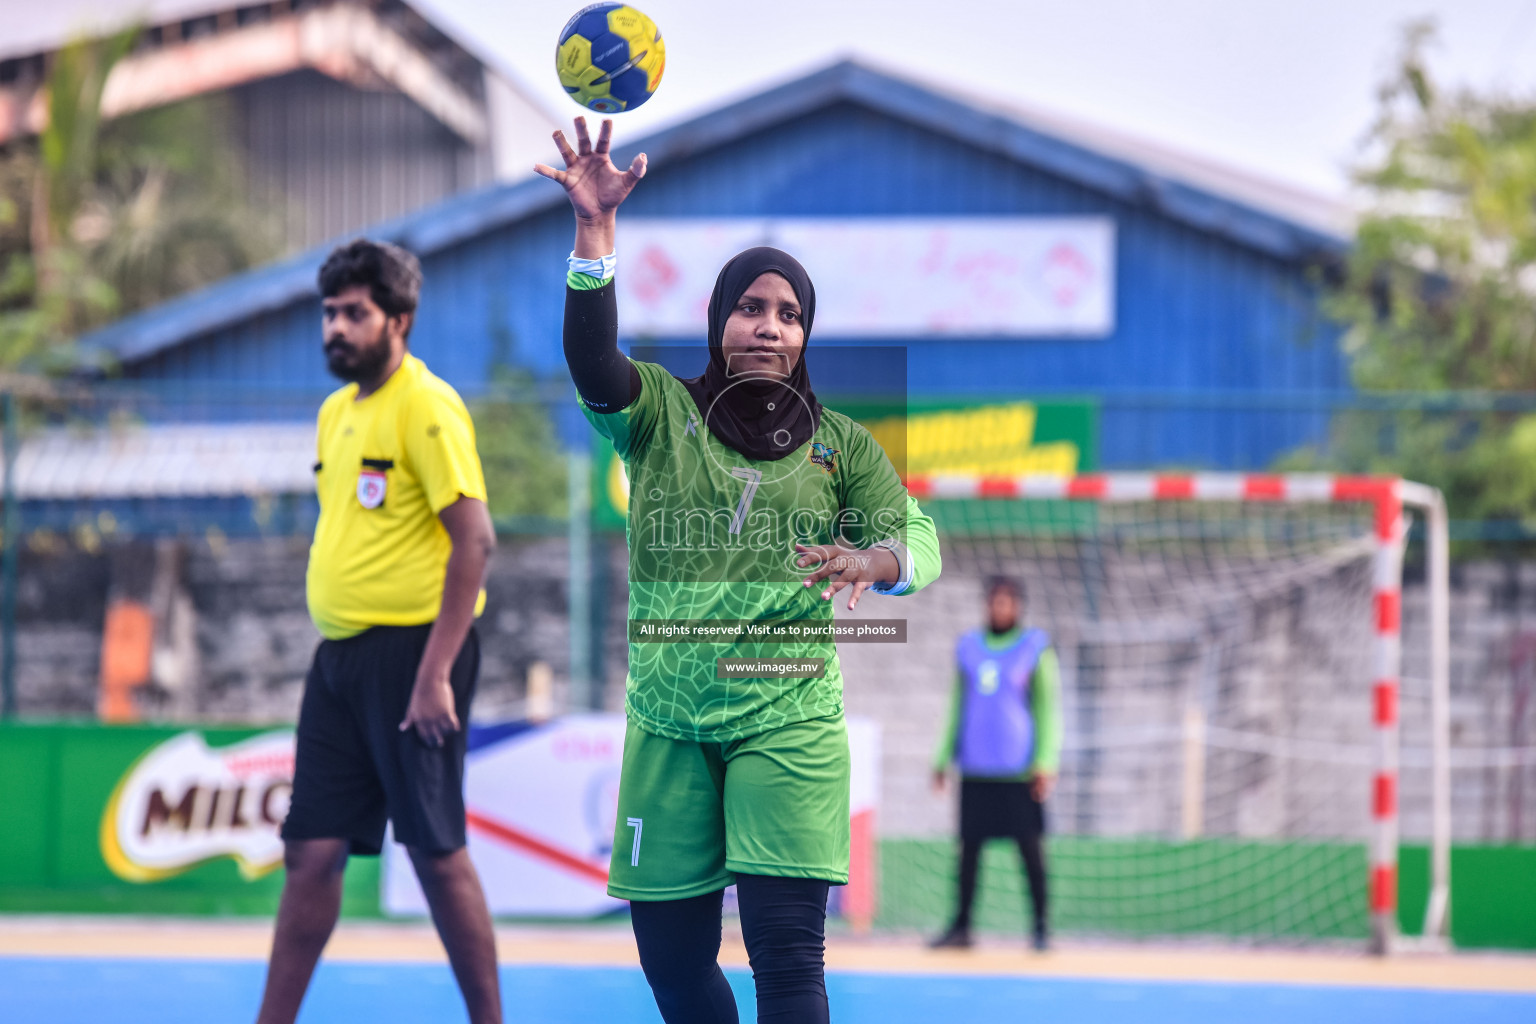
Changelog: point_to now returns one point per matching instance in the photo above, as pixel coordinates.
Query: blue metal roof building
(1215, 308)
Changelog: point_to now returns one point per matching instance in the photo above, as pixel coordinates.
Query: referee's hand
(431, 709)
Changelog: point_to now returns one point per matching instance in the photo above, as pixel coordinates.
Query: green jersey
(711, 540)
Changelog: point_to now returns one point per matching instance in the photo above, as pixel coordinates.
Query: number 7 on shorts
(634, 851)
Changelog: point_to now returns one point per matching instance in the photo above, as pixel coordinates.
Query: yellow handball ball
(610, 58)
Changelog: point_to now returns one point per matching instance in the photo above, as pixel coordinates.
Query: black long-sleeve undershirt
(605, 378)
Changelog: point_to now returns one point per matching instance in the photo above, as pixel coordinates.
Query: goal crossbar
(1390, 498)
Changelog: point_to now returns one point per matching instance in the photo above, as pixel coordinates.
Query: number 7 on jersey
(753, 477)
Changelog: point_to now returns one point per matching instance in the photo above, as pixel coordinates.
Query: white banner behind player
(541, 802)
(884, 277)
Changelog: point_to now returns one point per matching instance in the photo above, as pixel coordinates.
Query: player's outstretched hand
(841, 566)
(593, 184)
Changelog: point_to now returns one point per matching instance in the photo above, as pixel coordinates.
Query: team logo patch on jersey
(823, 456)
(371, 484)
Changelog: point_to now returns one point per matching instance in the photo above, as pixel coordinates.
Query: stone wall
(61, 602)
(254, 639)
(1493, 703)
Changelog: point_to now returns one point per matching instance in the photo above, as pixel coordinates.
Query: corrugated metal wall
(1198, 317)
(332, 158)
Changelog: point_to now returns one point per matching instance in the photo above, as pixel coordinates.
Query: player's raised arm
(605, 379)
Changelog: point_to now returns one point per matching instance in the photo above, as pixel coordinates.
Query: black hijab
(760, 416)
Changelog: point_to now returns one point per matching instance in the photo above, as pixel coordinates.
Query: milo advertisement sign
(150, 820)
(184, 803)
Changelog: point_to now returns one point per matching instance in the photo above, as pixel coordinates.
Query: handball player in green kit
(750, 504)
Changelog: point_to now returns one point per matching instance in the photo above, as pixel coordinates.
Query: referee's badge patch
(371, 484)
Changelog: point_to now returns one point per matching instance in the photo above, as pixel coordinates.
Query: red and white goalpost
(1389, 500)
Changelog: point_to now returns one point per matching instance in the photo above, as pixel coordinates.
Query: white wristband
(601, 269)
(904, 560)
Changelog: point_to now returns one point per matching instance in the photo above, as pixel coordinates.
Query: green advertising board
(149, 820)
(125, 819)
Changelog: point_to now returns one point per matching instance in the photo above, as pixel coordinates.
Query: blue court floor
(96, 991)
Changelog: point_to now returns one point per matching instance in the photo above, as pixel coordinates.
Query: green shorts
(690, 814)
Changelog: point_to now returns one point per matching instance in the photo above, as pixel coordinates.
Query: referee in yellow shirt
(396, 578)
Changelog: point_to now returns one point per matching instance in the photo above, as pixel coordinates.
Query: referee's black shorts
(354, 766)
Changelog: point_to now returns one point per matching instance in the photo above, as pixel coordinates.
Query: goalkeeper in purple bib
(1004, 737)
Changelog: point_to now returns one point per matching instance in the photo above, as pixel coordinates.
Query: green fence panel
(1220, 888)
(28, 780)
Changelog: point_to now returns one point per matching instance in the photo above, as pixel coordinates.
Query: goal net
(1228, 650)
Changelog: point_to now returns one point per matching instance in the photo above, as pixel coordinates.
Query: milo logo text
(184, 803)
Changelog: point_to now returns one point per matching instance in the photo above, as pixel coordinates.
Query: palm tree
(99, 218)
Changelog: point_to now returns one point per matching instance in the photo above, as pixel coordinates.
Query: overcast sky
(1281, 87)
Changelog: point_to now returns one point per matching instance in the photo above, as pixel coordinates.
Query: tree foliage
(102, 217)
(1439, 293)
(524, 465)
(520, 452)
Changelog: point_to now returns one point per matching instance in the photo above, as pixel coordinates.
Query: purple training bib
(997, 730)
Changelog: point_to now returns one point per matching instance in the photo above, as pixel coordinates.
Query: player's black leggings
(1034, 870)
(783, 921)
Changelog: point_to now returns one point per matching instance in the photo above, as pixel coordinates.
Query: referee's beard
(357, 364)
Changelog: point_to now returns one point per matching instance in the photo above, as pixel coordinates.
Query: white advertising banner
(884, 277)
(541, 804)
